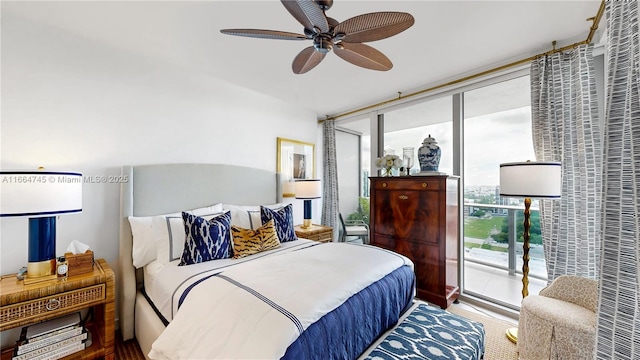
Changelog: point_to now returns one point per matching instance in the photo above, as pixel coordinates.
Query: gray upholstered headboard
(167, 188)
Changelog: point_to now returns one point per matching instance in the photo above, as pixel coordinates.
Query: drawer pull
(424, 185)
(53, 304)
(403, 197)
(384, 184)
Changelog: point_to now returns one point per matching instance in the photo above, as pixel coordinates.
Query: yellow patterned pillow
(248, 242)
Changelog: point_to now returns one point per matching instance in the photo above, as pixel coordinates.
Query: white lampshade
(308, 189)
(531, 179)
(39, 193)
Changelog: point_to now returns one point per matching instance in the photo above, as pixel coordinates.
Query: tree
(535, 234)
(363, 211)
(478, 213)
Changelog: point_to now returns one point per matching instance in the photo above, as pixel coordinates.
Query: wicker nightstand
(22, 305)
(315, 232)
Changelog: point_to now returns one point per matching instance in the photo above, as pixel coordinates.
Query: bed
(315, 300)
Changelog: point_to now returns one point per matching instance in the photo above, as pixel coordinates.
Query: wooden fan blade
(374, 26)
(308, 13)
(306, 60)
(364, 56)
(264, 34)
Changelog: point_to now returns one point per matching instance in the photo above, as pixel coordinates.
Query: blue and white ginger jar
(429, 155)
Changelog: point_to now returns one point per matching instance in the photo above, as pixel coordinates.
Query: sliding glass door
(497, 129)
(353, 153)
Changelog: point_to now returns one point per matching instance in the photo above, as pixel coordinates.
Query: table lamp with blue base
(41, 196)
(308, 189)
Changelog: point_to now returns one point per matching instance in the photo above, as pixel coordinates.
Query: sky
(489, 140)
(497, 129)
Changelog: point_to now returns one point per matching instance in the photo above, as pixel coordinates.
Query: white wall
(70, 102)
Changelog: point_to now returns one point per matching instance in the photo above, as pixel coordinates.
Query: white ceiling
(449, 39)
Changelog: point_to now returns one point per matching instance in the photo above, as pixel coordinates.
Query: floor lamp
(540, 180)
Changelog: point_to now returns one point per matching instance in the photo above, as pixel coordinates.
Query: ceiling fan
(345, 38)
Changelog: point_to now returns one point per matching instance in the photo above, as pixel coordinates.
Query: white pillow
(168, 232)
(145, 245)
(248, 217)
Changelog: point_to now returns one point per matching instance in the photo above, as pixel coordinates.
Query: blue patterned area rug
(431, 333)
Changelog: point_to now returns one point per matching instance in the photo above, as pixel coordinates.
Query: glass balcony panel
(489, 271)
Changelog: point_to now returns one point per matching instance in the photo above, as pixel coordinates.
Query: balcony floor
(497, 284)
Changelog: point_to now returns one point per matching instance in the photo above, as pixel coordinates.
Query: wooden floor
(127, 350)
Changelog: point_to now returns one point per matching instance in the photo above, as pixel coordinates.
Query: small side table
(22, 305)
(315, 232)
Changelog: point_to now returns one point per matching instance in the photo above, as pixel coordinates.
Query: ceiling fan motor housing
(323, 43)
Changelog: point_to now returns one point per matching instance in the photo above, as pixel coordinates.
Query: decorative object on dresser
(429, 156)
(26, 305)
(419, 218)
(541, 180)
(40, 195)
(408, 155)
(315, 232)
(387, 163)
(308, 189)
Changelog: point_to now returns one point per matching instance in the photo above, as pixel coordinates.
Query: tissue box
(79, 263)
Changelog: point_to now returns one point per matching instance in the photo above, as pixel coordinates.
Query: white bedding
(164, 284)
(258, 309)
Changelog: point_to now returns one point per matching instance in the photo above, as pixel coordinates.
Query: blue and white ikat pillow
(283, 219)
(206, 240)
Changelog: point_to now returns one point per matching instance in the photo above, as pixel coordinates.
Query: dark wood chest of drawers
(418, 218)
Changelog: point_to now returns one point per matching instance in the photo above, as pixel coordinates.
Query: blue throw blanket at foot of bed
(431, 333)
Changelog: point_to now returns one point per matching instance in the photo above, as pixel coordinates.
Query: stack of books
(52, 339)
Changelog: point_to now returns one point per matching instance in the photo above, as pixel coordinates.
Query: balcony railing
(491, 252)
(491, 267)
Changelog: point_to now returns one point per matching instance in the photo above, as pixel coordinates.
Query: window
(353, 147)
(409, 126)
(348, 146)
(497, 129)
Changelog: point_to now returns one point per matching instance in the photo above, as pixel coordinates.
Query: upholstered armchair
(560, 322)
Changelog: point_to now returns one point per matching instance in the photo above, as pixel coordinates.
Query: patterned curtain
(330, 208)
(566, 129)
(618, 324)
